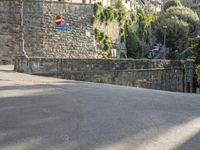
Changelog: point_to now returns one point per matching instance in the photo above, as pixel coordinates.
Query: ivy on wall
(144, 20)
(103, 39)
(126, 20)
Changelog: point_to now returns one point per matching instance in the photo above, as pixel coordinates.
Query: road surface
(40, 113)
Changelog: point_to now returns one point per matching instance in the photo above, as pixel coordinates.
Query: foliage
(132, 43)
(195, 49)
(96, 16)
(198, 73)
(174, 55)
(107, 15)
(171, 3)
(122, 39)
(103, 39)
(144, 21)
(181, 23)
(119, 4)
(187, 15)
(176, 32)
(121, 17)
(121, 32)
(97, 7)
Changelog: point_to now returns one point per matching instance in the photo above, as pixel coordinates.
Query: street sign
(63, 27)
(58, 20)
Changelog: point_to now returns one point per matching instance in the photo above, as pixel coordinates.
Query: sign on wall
(58, 21)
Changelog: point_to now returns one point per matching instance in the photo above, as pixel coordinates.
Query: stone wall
(40, 36)
(155, 74)
(9, 30)
(42, 39)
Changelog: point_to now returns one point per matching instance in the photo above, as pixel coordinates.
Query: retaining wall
(154, 74)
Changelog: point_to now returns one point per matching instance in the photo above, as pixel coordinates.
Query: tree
(171, 3)
(198, 73)
(177, 31)
(132, 45)
(195, 49)
(187, 15)
(182, 23)
(195, 52)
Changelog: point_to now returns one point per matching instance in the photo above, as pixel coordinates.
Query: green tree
(132, 44)
(177, 31)
(182, 23)
(187, 15)
(198, 73)
(171, 3)
(195, 52)
(195, 49)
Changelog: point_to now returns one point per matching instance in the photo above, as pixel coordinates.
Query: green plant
(195, 49)
(121, 17)
(103, 39)
(97, 7)
(95, 18)
(132, 45)
(119, 4)
(133, 17)
(107, 15)
(198, 73)
(187, 15)
(115, 14)
(181, 22)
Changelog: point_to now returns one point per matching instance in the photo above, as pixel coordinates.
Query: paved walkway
(40, 113)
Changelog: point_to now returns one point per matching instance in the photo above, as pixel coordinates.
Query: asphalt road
(40, 113)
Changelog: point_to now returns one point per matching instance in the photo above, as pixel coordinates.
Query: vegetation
(103, 39)
(182, 24)
(195, 49)
(107, 15)
(132, 45)
(132, 41)
(144, 20)
(195, 53)
(198, 73)
(171, 3)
